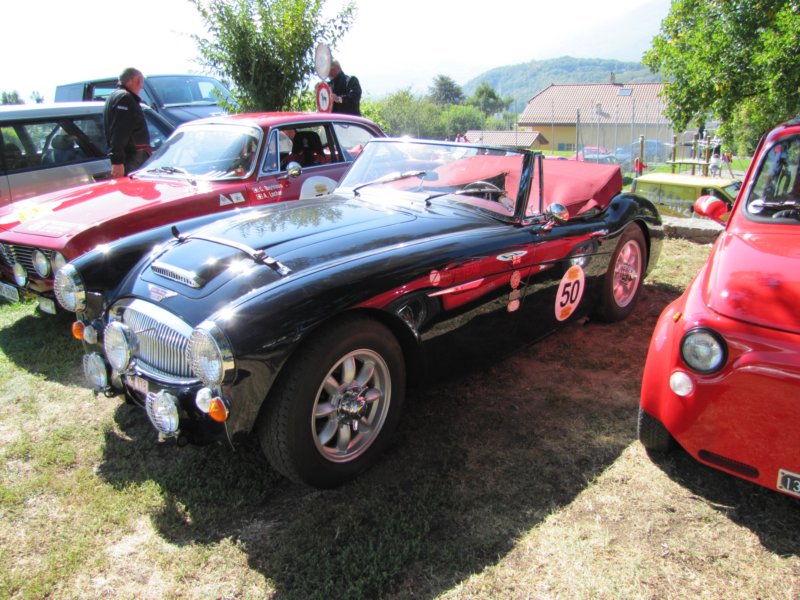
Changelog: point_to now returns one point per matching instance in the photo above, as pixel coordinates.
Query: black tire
(652, 433)
(357, 415)
(622, 283)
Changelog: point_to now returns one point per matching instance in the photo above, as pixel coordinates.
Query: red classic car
(206, 167)
(723, 371)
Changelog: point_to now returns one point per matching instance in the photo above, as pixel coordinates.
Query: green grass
(523, 479)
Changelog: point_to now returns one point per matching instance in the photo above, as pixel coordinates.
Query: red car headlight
(704, 350)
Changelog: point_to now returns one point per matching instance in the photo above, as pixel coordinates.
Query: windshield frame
(767, 175)
(357, 183)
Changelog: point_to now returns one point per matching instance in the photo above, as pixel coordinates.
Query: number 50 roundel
(569, 293)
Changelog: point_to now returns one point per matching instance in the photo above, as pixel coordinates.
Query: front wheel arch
(331, 413)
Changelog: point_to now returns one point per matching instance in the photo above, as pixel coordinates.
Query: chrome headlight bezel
(209, 354)
(119, 346)
(41, 264)
(704, 350)
(69, 289)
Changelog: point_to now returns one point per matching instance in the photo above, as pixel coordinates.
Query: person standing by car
(345, 91)
(126, 129)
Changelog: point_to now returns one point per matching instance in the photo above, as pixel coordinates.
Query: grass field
(524, 480)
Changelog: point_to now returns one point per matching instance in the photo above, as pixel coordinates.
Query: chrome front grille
(13, 253)
(162, 340)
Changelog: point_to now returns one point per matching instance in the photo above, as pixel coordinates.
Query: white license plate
(9, 292)
(789, 482)
(138, 384)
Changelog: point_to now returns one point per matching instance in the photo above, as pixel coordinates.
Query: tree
(402, 113)
(736, 59)
(10, 98)
(37, 97)
(266, 47)
(488, 101)
(445, 91)
(459, 119)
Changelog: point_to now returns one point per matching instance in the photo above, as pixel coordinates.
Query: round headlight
(703, 350)
(20, 275)
(118, 342)
(209, 354)
(40, 263)
(94, 369)
(69, 289)
(57, 261)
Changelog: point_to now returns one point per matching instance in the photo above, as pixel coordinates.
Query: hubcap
(351, 406)
(627, 273)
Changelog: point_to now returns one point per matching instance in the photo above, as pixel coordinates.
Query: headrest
(62, 142)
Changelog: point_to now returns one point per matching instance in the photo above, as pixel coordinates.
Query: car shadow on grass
(22, 343)
(478, 460)
(772, 516)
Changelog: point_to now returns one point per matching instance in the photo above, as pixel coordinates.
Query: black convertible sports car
(304, 322)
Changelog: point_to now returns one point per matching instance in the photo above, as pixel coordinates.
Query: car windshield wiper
(389, 178)
(173, 171)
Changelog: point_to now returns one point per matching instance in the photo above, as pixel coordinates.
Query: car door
(322, 150)
(47, 154)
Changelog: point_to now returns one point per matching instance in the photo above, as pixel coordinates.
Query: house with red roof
(598, 115)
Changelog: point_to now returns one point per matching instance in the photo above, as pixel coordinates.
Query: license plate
(789, 482)
(9, 292)
(138, 384)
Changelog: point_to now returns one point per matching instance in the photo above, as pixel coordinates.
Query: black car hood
(286, 241)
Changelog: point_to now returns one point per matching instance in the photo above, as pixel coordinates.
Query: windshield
(189, 90)
(206, 151)
(485, 177)
(775, 193)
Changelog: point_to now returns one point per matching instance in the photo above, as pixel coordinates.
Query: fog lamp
(162, 409)
(681, 384)
(40, 263)
(20, 275)
(95, 371)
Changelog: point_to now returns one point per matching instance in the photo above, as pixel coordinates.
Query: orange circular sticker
(570, 292)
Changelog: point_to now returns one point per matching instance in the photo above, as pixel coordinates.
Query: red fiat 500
(723, 371)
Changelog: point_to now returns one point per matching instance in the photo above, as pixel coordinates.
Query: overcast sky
(392, 45)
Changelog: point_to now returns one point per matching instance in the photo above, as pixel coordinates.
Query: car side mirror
(713, 208)
(558, 212)
(293, 170)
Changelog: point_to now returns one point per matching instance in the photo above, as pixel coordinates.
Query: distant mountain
(523, 81)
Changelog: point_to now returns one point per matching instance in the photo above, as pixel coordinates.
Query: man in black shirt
(126, 128)
(345, 91)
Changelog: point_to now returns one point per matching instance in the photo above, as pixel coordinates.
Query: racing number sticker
(570, 293)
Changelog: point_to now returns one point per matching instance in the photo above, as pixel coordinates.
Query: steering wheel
(481, 187)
